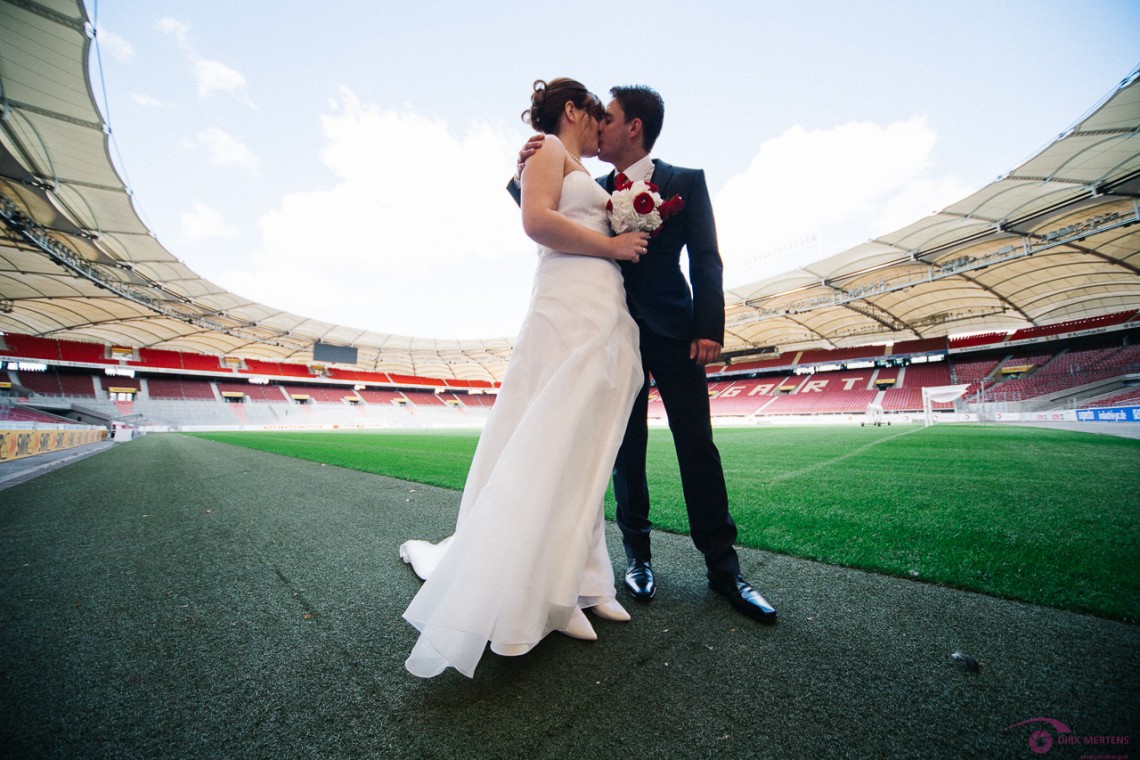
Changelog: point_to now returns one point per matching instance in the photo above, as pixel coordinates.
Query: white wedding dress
(529, 549)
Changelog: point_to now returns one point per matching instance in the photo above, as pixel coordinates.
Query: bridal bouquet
(638, 206)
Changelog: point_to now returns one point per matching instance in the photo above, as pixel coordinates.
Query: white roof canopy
(1053, 240)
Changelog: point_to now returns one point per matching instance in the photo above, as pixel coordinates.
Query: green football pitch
(1043, 516)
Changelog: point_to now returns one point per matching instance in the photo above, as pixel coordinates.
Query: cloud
(177, 29)
(203, 222)
(210, 76)
(115, 46)
(418, 236)
(215, 76)
(148, 101)
(226, 150)
(809, 194)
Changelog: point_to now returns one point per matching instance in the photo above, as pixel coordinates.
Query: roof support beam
(1066, 236)
(78, 25)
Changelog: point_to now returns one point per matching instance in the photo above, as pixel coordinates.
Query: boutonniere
(638, 206)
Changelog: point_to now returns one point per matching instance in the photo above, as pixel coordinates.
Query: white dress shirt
(642, 169)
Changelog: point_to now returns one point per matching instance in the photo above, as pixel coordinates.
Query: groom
(681, 332)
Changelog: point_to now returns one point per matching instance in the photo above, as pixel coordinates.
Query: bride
(528, 553)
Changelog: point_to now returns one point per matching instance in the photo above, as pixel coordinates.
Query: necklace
(578, 161)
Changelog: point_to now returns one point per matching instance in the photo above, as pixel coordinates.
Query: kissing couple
(607, 310)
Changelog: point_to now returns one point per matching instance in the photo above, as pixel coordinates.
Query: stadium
(1016, 306)
(1027, 291)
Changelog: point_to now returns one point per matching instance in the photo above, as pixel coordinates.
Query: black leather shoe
(743, 597)
(639, 580)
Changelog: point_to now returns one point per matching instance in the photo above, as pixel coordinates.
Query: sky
(347, 161)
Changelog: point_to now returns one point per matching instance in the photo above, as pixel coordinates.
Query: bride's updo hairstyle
(549, 99)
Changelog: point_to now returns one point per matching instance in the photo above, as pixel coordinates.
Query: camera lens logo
(1041, 740)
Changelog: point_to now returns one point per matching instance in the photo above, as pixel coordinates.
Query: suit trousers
(683, 386)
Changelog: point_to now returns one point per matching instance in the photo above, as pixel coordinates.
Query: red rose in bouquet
(643, 203)
(638, 206)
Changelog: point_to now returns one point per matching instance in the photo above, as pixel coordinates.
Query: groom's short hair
(641, 102)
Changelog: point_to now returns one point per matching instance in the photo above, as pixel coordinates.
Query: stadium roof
(1050, 241)
(87, 268)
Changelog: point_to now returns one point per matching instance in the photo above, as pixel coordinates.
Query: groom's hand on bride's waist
(704, 351)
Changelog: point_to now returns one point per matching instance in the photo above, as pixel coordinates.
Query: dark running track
(178, 598)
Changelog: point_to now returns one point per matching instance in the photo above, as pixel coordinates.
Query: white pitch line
(840, 458)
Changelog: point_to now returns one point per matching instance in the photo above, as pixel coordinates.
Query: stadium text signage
(1110, 414)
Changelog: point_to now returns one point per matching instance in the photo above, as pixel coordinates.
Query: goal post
(941, 394)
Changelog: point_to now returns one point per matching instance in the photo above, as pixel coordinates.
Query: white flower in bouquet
(638, 205)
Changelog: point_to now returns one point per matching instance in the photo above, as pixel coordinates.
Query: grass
(1043, 516)
(438, 458)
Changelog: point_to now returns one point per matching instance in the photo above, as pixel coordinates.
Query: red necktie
(621, 182)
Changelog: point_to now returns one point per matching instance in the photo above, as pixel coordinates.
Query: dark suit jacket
(659, 297)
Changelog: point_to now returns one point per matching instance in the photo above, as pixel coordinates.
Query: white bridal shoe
(611, 610)
(510, 650)
(579, 627)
